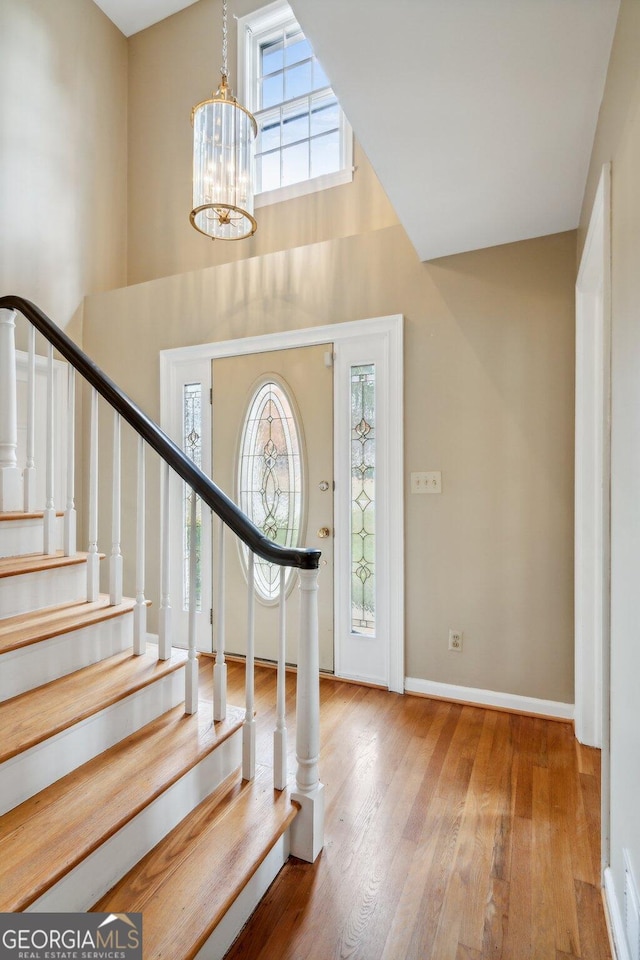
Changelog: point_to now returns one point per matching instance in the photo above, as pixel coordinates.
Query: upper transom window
(304, 141)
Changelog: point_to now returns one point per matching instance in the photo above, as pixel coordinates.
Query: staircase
(119, 791)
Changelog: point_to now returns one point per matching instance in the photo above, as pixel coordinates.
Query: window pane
(270, 477)
(325, 154)
(272, 91)
(269, 136)
(297, 81)
(298, 48)
(325, 115)
(295, 123)
(271, 58)
(295, 163)
(192, 446)
(363, 499)
(320, 79)
(268, 170)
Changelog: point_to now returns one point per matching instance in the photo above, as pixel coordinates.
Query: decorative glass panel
(363, 499)
(192, 446)
(270, 477)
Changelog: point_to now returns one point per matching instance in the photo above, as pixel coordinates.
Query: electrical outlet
(455, 640)
(426, 482)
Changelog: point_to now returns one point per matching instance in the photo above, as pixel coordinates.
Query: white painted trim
(616, 922)
(390, 328)
(593, 473)
(34, 769)
(490, 698)
(172, 379)
(216, 947)
(593, 494)
(100, 870)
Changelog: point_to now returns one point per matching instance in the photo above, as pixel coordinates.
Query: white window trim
(261, 21)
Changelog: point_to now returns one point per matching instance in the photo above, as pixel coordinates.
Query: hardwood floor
(452, 833)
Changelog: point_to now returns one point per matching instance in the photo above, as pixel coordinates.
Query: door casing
(386, 333)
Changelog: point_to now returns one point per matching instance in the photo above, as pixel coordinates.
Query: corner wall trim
(552, 709)
(616, 923)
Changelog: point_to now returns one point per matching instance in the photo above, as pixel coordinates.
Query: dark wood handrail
(167, 450)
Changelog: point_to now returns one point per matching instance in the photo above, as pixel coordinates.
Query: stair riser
(18, 538)
(246, 902)
(43, 588)
(92, 878)
(31, 666)
(34, 769)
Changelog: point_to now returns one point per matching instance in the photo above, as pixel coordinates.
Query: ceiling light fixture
(223, 135)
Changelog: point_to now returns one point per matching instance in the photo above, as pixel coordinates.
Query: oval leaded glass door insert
(270, 477)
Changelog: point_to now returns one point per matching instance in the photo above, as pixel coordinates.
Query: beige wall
(488, 393)
(63, 110)
(174, 65)
(618, 140)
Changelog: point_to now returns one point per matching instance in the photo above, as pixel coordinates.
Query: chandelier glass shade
(223, 136)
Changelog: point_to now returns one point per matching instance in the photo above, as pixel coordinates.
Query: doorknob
(324, 532)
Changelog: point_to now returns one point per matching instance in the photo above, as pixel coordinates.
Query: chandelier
(223, 135)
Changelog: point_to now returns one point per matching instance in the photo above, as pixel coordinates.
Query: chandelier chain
(225, 67)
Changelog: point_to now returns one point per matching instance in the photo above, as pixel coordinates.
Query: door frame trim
(593, 491)
(390, 329)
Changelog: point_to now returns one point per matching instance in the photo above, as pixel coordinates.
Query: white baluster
(191, 676)
(93, 558)
(249, 728)
(115, 561)
(307, 830)
(220, 668)
(49, 519)
(70, 512)
(164, 622)
(280, 733)
(140, 609)
(29, 476)
(10, 475)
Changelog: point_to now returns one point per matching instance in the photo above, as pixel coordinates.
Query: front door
(273, 455)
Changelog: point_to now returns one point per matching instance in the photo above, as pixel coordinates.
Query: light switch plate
(426, 482)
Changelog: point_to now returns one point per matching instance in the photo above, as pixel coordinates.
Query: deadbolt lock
(324, 532)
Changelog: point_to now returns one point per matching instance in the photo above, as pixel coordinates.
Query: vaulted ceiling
(478, 116)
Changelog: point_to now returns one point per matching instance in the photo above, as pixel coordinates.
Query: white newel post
(307, 830)
(10, 475)
(49, 518)
(220, 668)
(140, 609)
(191, 675)
(29, 477)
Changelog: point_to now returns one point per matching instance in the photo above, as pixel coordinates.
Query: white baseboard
(616, 923)
(490, 698)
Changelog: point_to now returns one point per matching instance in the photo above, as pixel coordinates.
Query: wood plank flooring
(452, 833)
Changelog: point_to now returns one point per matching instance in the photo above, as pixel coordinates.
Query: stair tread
(53, 831)
(24, 629)
(32, 515)
(35, 562)
(197, 871)
(38, 714)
